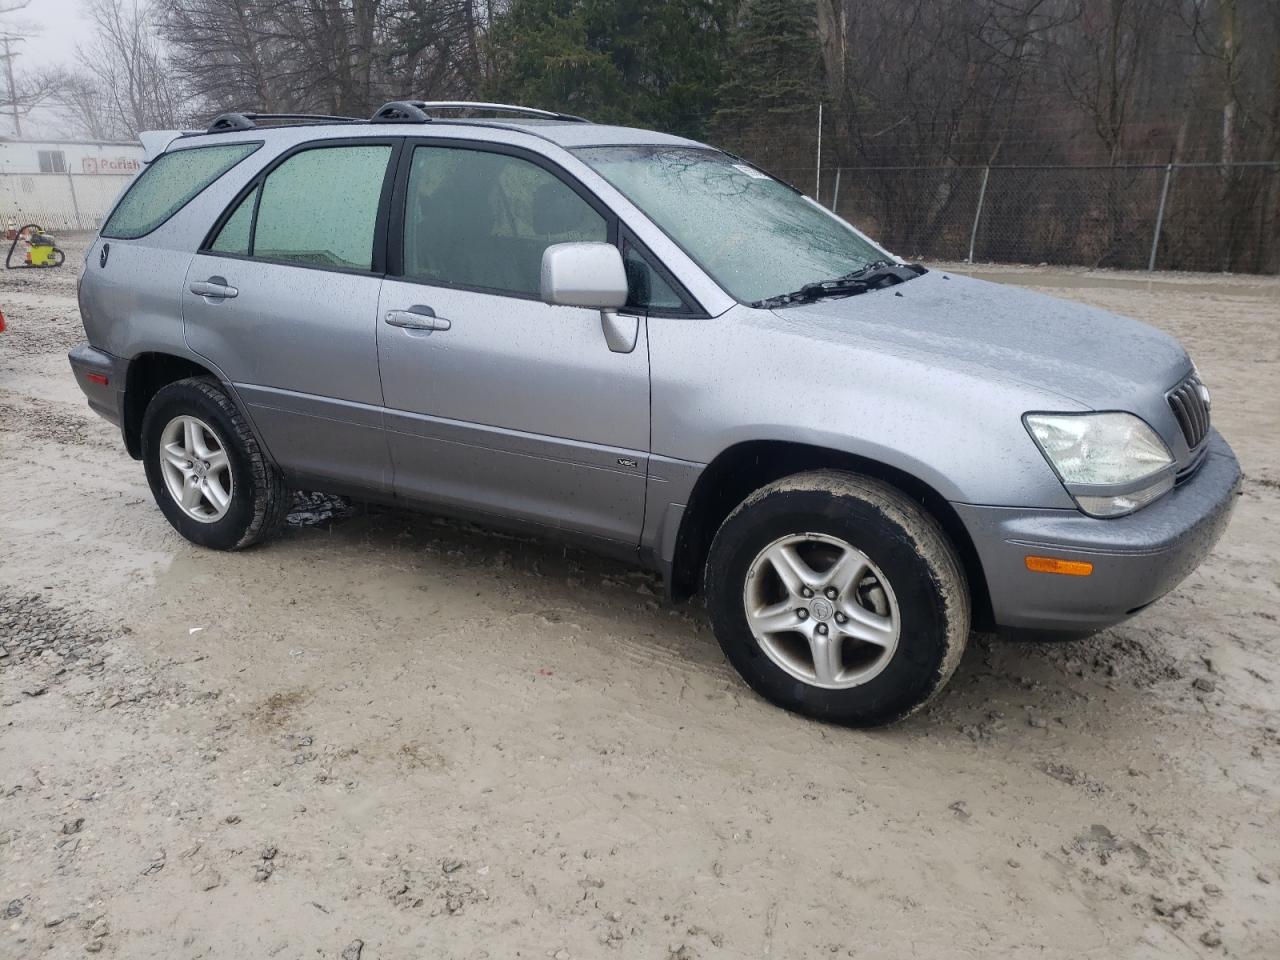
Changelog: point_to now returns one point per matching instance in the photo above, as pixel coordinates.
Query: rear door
(509, 406)
(283, 299)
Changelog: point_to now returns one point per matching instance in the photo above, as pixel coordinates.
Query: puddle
(1061, 279)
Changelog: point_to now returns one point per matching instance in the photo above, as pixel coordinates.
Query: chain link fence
(1204, 217)
(59, 202)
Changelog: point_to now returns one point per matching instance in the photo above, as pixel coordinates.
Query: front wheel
(836, 596)
(209, 476)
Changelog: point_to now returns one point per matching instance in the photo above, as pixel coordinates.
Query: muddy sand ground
(385, 735)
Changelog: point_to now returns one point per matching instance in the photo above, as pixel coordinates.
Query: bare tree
(86, 108)
(1103, 62)
(342, 57)
(129, 66)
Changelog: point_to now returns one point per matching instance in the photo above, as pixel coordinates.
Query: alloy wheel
(821, 610)
(196, 470)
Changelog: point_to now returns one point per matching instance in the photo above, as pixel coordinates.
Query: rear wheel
(207, 472)
(836, 596)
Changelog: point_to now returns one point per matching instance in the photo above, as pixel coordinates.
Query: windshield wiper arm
(874, 275)
(878, 271)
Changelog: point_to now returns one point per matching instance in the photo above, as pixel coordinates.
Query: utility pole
(7, 39)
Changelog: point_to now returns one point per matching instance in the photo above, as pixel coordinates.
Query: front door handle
(417, 318)
(215, 288)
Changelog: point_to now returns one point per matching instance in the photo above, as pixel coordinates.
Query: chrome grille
(1189, 402)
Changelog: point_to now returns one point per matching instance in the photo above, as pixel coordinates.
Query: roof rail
(420, 111)
(226, 122)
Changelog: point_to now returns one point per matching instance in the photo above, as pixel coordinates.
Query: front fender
(747, 375)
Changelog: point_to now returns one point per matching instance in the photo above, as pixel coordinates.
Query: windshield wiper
(873, 276)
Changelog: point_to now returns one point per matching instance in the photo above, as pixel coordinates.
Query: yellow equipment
(42, 249)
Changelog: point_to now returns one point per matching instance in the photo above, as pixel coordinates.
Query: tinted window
(320, 207)
(234, 235)
(168, 184)
(645, 287)
(478, 219)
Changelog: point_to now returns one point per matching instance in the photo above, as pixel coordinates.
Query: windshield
(755, 236)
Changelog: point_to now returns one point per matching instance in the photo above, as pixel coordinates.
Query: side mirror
(584, 275)
(591, 275)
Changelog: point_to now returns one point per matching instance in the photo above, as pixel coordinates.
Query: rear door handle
(417, 318)
(215, 287)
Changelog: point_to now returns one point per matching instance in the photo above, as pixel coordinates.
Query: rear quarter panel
(131, 300)
(132, 303)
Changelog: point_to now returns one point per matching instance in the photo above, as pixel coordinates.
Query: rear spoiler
(156, 142)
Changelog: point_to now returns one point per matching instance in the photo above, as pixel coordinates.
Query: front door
(284, 300)
(495, 401)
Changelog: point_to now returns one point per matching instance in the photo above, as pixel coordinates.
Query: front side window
(169, 183)
(482, 220)
(755, 236)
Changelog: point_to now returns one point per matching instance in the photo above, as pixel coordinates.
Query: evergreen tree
(776, 62)
(654, 64)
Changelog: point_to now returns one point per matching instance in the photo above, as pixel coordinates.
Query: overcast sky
(58, 27)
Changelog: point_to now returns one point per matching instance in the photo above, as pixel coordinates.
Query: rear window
(169, 184)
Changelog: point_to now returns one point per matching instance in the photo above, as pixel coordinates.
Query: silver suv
(657, 350)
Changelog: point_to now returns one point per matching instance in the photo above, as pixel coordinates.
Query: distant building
(63, 184)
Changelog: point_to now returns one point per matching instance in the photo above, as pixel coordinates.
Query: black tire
(259, 501)
(899, 538)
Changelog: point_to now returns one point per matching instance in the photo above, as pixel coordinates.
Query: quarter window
(168, 184)
(646, 290)
(480, 219)
(234, 235)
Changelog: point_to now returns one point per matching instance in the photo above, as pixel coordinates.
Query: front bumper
(1136, 559)
(105, 399)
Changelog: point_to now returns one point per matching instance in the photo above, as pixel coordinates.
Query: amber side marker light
(1068, 568)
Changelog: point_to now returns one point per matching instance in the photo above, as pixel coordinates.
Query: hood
(1098, 359)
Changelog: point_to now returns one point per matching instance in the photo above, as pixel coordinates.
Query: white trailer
(63, 185)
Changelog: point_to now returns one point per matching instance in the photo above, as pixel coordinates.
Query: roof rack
(226, 122)
(420, 111)
(400, 111)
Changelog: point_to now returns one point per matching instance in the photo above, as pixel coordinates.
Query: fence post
(1155, 237)
(835, 194)
(977, 214)
(75, 205)
(817, 173)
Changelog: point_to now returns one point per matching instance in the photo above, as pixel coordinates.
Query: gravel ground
(385, 735)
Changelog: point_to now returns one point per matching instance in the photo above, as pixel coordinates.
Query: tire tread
(271, 497)
(926, 537)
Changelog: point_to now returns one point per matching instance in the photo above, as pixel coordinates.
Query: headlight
(1111, 463)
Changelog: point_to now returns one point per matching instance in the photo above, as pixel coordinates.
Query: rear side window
(318, 208)
(480, 219)
(168, 184)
